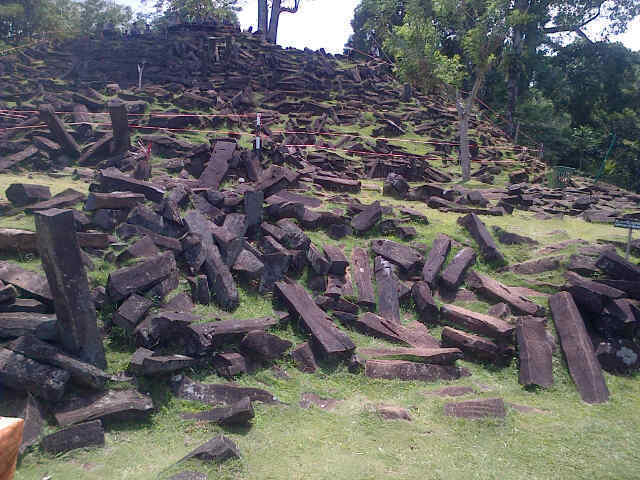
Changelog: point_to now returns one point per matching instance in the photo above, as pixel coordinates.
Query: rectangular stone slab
(403, 370)
(25, 375)
(388, 290)
(363, 278)
(238, 413)
(75, 310)
(14, 325)
(495, 290)
(435, 259)
(439, 356)
(426, 306)
(88, 434)
(406, 257)
(205, 337)
(453, 274)
(578, 349)
(367, 218)
(111, 405)
(31, 282)
(113, 180)
(140, 277)
(590, 295)
(617, 267)
(217, 393)
(535, 352)
(329, 338)
(82, 373)
(483, 238)
(478, 323)
(474, 347)
(475, 409)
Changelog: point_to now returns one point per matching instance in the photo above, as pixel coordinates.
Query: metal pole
(628, 245)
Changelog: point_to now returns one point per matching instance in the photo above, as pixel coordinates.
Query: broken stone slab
(33, 283)
(619, 356)
(363, 278)
(221, 282)
(388, 290)
(338, 263)
(14, 325)
(81, 373)
(66, 198)
(437, 356)
(476, 409)
(481, 235)
(310, 399)
(535, 352)
(330, 340)
(113, 180)
(31, 410)
(379, 327)
(238, 413)
(494, 290)
(25, 375)
(113, 405)
(7, 294)
(500, 310)
(67, 278)
(406, 257)
(304, 358)
(218, 165)
(219, 449)
(478, 323)
(144, 362)
(617, 267)
(88, 434)
(143, 248)
(22, 194)
(217, 393)
(539, 265)
(113, 200)
(509, 238)
(435, 259)
(404, 370)
(59, 132)
(425, 304)
(337, 184)
(317, 260)
(393, 412)
(264, 346)
(367, 218)
(15, 240)
(578, 349)
(453, 275)
(141, 277)
(475, 347)
(248, 265)
(10, 161)
(620, 318)
(590, 295)
(161, 327)
(202, 338)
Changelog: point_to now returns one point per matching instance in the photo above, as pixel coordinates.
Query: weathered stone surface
(481, 235)
(454, 391)
(425, 304)
(238, 413)
(403, 370)
(539, 265)
(217, 393)
(63, 199)
(590, 295)
(509, 238)
(62, 137)
(578, 349)
(25, 375)
(388, 290)
(161, 327)
(619, 356)
(82, 373)
(75, 310)
(88, 434)
(475, 347)
(221, 281)
(230, 364)
(110, 405)
(309, 399)
(204, 337)
(367, 218)
(113, 180)
(317, 260)
(535, 352)
(31, 282)
(264, 346)
(500, 310)
(437, 356)
(406, 257)
(393, 412)
(113, 200)
(435, 259)
(617, 267)
(14, 325)
(141, 277)
(328, 337)
(21, 194)
(338, 263)
(132, 310)
(453, 274)
(304, 358)
(219, 449)
(494, 290)
(478, 323)
(475, 409)
(144, 362)
(363, 278)
(145, 247)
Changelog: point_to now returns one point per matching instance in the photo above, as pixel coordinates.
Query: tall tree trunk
(263, 13)
(515, 68)
(276, 9)
(465, 107)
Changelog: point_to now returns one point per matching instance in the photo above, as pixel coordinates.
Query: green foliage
(197, 10)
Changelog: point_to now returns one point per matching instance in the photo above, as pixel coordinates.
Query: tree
(269, 16)
(198, 10)
(455, 42)
(93, 15)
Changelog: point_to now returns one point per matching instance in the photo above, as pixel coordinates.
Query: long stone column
(62, 262)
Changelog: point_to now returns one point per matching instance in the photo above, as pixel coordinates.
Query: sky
(327, 24)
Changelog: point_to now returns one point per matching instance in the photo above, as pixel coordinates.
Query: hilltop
(342, 276)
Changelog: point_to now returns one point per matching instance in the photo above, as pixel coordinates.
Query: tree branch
(583, 35)
(573, 28)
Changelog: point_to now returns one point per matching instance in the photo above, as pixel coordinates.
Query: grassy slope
(572, 440)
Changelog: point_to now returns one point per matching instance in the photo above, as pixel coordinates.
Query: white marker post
(631, 225)
(258, 137)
